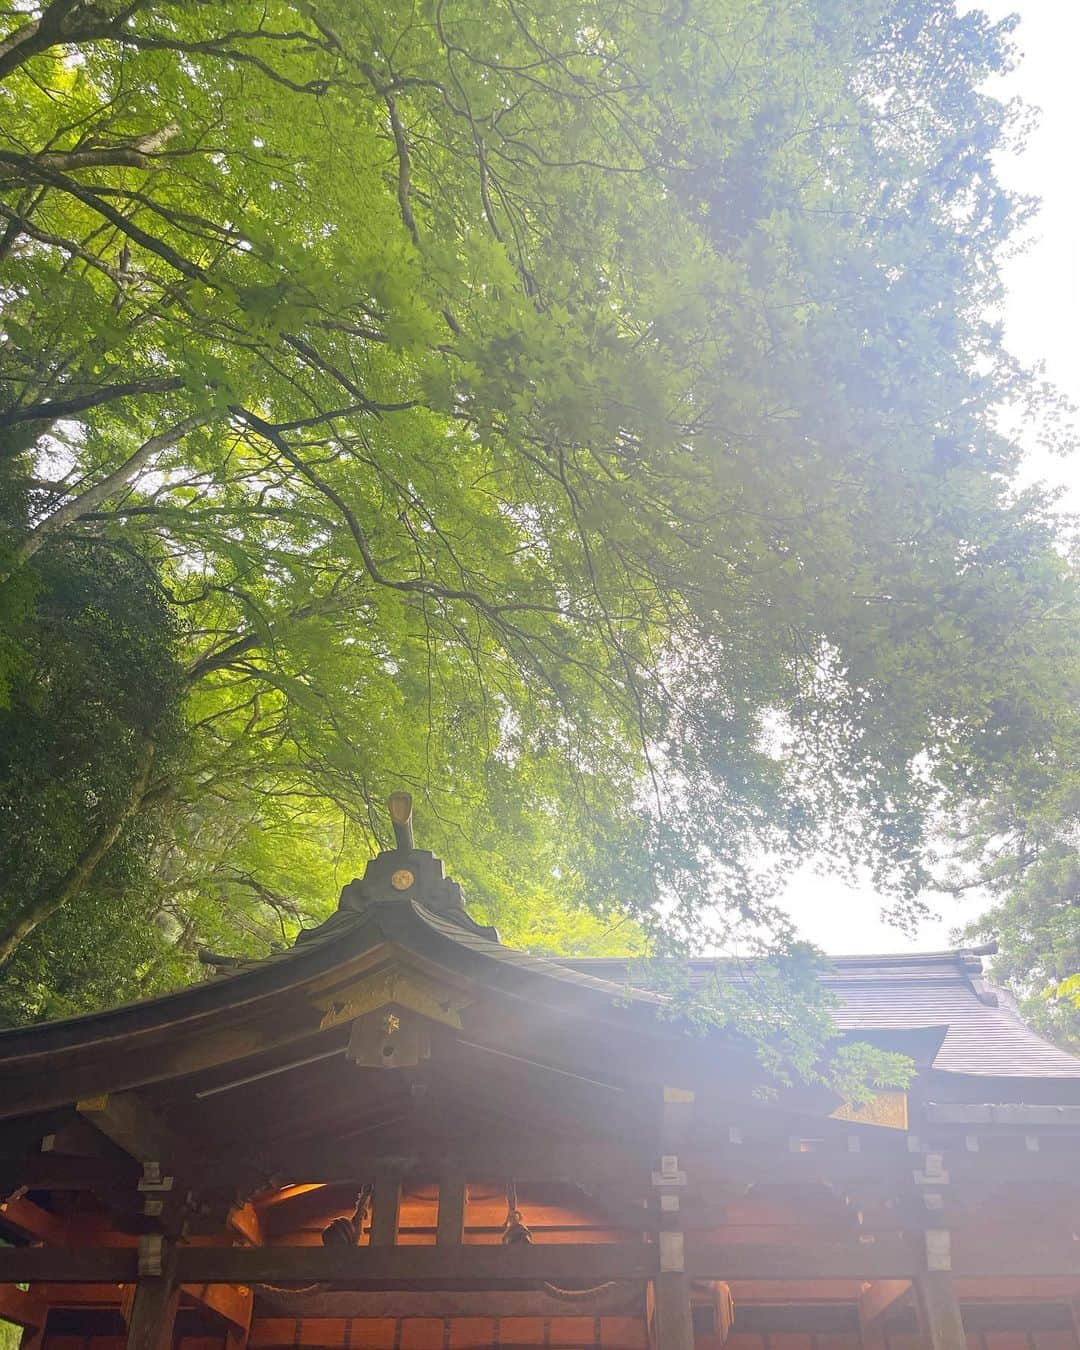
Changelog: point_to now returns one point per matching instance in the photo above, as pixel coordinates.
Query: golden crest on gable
(397, 985)
(887, 1109)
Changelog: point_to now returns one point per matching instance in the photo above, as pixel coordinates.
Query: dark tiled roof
(983, 1036)
(986, 1036)
(570, 972)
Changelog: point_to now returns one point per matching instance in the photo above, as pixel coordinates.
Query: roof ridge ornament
(400, 804)
(405, 873)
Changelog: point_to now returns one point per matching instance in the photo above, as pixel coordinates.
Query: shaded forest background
(584, 415)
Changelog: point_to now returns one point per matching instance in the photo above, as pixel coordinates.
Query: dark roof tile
(986, 1035)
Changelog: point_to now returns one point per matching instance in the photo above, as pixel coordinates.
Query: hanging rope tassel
(342, 1232)
(515, 1229)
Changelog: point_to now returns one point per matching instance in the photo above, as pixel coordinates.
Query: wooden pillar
(673, 1323)
(672, 1319)
(153, 1309)
(385, 1203)
(451, 1221)
(939, 1311)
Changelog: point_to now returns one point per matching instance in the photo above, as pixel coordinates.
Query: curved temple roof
(934, 1005)
(985, 1034)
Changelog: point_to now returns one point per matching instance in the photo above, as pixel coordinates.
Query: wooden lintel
(480, 1266)
(126, 1119)
(535, 1158)
(1017, 1289)
(611, 1300)
(1006, 1114)
(539, 1159)
(435, 1266)
(68, 1265)
(892, 1259)
(1019, 1166)
(408, 1264)
(82, 1295)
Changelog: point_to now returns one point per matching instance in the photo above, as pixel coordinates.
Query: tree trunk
(95, 495)
(37, 909)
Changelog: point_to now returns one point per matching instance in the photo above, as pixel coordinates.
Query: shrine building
(402, 1135)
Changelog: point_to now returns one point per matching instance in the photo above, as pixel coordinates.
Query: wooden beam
(232, 1302)
(434, 1266)
(401, 1266)
(81, 1295)
(621, 1299)
(75, 1137)
(539, 1158)
(876, 1301)
(1006, 1289)
(31, 1220)
(882, 1259)
(1032, 1258)
(939, 1311)
(125, 1118)
(68, 1265)
(481, 1265)
(1056, 1167)
(529, 1157)
(1006, 1114)
(244, 1220)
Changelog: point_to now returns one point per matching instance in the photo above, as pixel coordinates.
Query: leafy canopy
(583, 416)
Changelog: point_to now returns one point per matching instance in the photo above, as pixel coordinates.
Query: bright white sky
(1041, 317)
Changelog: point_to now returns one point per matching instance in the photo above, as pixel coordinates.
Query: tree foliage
(89, 723)
(1023, 848)
(583, 416)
